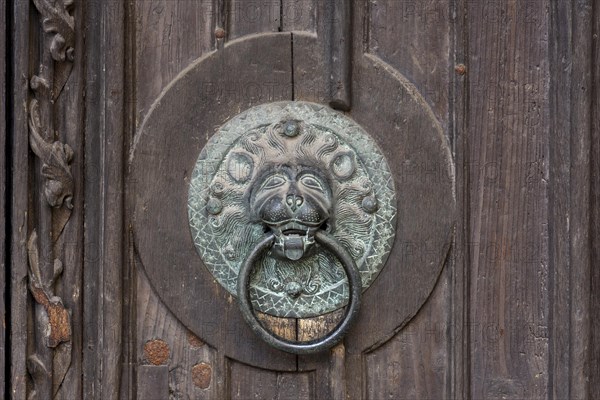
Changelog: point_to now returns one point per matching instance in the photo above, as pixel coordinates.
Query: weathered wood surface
(167, 42)
(153, 382)
(70, 123)
(515, 311)
(4, 166)
(19, 202)
(253, 383)
(414, 364)
(155, 323)
(594, 371)
(168, 36)
(415, 39)
(508, 153)
(105, 236)
(459, 261)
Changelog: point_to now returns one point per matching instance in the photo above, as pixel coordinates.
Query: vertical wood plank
(560, 19)
(459, 260)
(4, 151)
(153, 382)
(69, 123)
(254, 383)
(414, 364)
(245, 17)
(104, 234)
(192, 364)
(397, 33)
(580, 197)
(19, 201)
(92, 236)
(508, 151)
(595, 208)
(168, 36)
(298, 15)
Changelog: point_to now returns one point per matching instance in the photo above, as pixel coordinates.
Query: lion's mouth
(288, 232)
(294, 239)
(294, 228)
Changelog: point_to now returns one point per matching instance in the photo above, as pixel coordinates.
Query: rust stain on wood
(156, 351)
(195, 341)
(201, 375)
(58, 318)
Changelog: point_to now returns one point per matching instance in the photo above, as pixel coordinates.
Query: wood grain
(188, 24)
(248, 17)
(459, 258)
(153, 382)
(508, 143)
(70, 123)
(514, 314)
(104, 233)
(298, 15)
(168, 36)
(582, 92)
(414, 37)
(19, 203)
(4, 164)
(595, 211)
(156, 322)
(316, 327)
(283, 327)
(414, 364)
(254, 383)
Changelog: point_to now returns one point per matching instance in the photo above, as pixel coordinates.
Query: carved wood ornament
(53, 187)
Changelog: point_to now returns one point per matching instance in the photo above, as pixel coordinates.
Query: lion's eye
(273, 182)
(311, 182)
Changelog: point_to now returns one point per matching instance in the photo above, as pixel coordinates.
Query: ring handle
(312, 346)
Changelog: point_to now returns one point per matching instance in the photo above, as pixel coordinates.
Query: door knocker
(292, 209)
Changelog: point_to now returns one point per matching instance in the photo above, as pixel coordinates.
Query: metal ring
(312, 346)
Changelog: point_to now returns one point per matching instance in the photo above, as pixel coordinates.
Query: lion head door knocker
(292, 209)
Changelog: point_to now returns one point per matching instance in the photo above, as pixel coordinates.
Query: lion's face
(293, 201)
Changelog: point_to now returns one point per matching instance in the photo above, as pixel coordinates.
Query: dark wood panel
(4, 165)
(168, 35)
(559, 200)
(153, 382)
(582, 92)
(414, 37)
(245, 17)
(459, 259)
(508, 141)
(299, 15)
(190, 27)
(69, 123)
(595, 209)
(253, 383)
(193, 367)
(414, 364)
(104, 235)
(19, 202)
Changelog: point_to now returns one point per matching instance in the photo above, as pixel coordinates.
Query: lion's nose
(294, 201)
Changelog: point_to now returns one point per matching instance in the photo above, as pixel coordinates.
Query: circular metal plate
(296, 134)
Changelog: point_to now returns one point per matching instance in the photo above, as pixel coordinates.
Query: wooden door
(483, 114)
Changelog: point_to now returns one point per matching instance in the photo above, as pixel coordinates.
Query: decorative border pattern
(53, 185)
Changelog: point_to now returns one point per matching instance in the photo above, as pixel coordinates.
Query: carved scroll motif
(51, 356)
